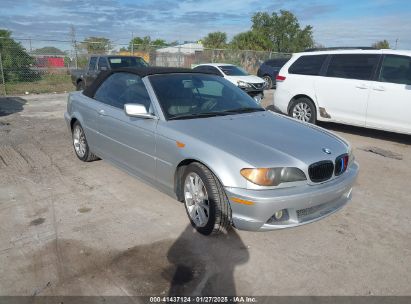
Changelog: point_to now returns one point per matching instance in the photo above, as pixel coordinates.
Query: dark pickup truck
(82, 78)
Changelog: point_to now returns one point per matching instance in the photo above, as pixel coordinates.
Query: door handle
(361, 86)
(102, 112)
(378, 88)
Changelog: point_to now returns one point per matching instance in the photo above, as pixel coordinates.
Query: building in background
(49, 61)
(182, 55)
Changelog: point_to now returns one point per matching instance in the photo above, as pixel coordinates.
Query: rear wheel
(303, 109)
(205, 201)
(80, 144)
(269, 81)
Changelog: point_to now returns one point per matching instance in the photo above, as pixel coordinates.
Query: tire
(219, 212)
(80, 144)
(80, 86)
(269, 81)
(303, 109)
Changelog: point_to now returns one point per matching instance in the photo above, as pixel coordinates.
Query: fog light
(278, 215)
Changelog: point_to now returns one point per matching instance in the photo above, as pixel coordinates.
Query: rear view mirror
(137, 110)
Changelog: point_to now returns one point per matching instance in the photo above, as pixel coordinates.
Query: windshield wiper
(197, 115)
(243, 110)
(211, 114)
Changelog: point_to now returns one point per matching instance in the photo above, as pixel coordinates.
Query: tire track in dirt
(13, 160)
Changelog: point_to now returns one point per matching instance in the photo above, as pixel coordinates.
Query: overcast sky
(335, 22)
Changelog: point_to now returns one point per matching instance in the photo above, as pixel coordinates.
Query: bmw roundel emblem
(326, 151)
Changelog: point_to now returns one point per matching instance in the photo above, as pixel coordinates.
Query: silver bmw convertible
(205, 142)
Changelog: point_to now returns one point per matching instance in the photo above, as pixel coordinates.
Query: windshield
(189, 95)
(232, 70)
(126, 61)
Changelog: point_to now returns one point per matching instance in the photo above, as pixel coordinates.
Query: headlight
(243, 84)
(273, 176)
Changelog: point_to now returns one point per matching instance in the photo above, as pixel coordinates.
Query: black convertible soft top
(142, 72)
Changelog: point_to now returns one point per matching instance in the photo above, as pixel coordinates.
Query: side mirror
(137, 110)
(103, 68)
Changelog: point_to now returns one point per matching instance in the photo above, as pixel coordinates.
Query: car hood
(264, 139)
(248, 79)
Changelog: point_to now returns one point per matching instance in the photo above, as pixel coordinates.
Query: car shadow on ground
(204, 265)
(189, 265)
(377, 134)
(11, 105)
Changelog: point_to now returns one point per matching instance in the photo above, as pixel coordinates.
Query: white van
(367, 88)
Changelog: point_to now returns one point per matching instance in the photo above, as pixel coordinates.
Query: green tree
(140, 44)
(215, 40)
(382, 44)
(283, 30)
(159, 43)
(145, 44)
(15, 60)
(48, 50)
(96, 45)
(251, 40)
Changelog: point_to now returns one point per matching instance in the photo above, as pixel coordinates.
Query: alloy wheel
(196, 199)
(302, 111)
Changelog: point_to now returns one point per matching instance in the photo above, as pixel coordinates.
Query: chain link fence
(27, 70)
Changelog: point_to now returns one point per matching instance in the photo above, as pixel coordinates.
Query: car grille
(321, 171)
(258, 86)
(341, 163)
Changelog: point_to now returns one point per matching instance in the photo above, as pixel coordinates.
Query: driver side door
(126, 141)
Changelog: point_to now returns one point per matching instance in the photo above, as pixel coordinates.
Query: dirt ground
(73, 228)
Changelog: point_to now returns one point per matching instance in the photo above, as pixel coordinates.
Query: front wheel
(80, 86)
(205, 201)
(303, 109)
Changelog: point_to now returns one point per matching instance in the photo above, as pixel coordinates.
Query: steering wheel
(209, 105)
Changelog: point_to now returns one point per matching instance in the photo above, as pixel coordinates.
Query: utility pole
(2, 76)
(396, 43)
(74, 43)
(30, 44)
(132, 43)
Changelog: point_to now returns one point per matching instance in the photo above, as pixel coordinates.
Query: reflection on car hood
(263, 138)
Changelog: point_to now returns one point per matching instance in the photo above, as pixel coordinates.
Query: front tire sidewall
(213, 199)
(80, 86)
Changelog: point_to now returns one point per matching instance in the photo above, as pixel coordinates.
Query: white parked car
(367, 88)
(252, 85)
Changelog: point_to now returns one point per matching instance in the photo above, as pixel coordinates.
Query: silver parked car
(204, 141)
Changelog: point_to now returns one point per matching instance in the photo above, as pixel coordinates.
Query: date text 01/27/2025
(203, 299)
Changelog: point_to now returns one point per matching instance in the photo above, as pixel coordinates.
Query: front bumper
(254, 92)
(257, 95)
(303, 205)
(67, 118)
